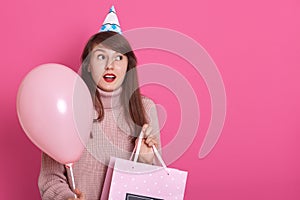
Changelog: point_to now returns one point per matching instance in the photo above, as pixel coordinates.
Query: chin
(107, 89)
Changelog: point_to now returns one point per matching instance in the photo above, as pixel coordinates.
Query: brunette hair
(132, 104)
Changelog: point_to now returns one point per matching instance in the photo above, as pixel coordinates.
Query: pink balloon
(55, 110)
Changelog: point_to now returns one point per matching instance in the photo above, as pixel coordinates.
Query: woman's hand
(80, 195)
(146, 153)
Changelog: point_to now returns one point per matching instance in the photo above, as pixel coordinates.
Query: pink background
(256, 46)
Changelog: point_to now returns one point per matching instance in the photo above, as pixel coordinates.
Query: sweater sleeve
(53, 183)
(151, 114)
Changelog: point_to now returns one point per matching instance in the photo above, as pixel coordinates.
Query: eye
(101, 57)
(119, 58)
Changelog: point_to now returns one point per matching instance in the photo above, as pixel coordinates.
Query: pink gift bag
(131, 180)
(108, 177)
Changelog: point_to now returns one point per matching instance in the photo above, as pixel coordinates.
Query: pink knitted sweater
(109, 137)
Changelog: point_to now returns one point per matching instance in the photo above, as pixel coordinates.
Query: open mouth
(109, 77)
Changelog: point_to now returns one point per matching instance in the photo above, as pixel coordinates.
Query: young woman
(121, 112)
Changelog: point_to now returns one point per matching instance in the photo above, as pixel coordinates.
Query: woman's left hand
(146, 153)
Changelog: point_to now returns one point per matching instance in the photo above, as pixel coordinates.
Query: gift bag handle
(137, 150)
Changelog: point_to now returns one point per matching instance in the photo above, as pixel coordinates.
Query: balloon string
(69, 166)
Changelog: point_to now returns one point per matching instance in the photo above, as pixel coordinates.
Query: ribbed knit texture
(110, 137)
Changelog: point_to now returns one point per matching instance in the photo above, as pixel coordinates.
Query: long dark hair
(132, 103)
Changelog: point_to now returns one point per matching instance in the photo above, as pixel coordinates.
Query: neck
(110, 99)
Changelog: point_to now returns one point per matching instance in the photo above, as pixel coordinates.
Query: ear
(89, 68)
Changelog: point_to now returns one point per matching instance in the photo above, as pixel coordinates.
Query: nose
(110, 65)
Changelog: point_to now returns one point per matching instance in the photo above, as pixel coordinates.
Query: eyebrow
(100, 50)
(103, 51)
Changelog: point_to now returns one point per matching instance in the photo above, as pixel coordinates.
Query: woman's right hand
(80, 195)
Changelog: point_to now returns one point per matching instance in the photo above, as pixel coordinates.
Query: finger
(155, 142)
(151, 144)
(79, 194)
(152, 139)
(149, 139)
(77, 191)
(146, 151)
(82, 196)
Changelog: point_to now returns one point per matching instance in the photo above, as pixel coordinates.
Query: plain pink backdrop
(256, 46)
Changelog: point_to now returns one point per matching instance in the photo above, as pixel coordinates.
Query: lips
(109, 77)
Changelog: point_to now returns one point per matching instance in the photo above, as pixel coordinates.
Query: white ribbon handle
(137, 150)
(138, 147)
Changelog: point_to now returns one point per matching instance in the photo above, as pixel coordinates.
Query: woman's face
(108, 68)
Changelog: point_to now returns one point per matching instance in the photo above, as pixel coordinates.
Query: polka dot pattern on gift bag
(158, 183)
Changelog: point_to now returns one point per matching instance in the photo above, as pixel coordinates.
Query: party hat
(111, 22)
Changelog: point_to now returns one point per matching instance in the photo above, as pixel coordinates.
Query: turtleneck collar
(110, 99)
